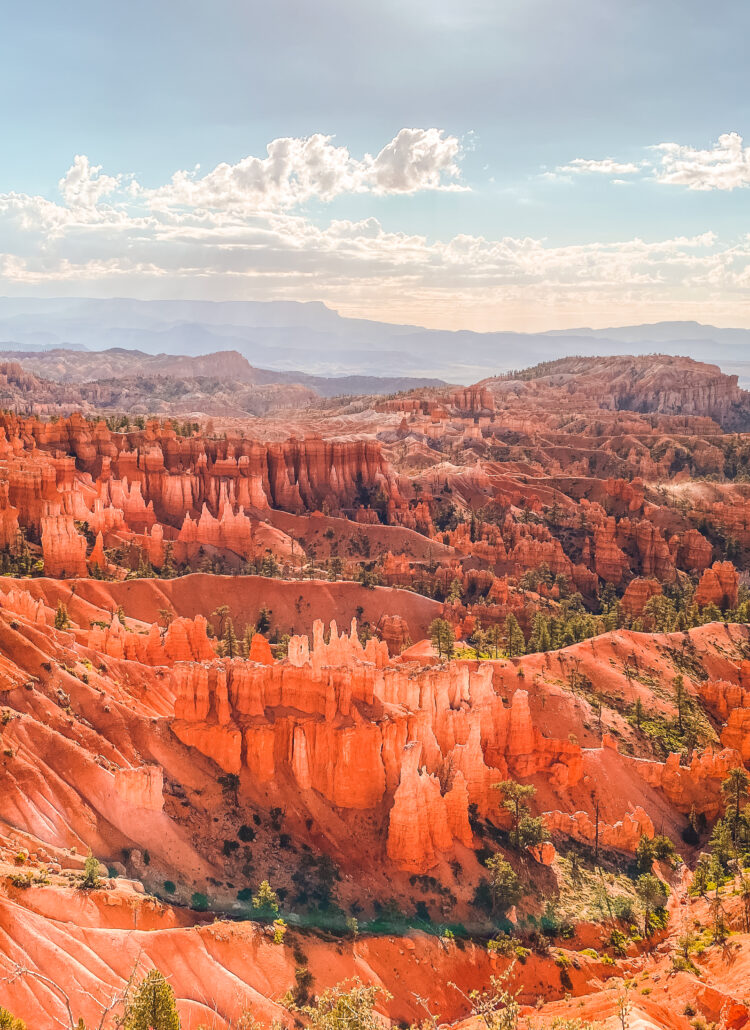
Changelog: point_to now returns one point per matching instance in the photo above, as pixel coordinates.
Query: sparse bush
(90, 872)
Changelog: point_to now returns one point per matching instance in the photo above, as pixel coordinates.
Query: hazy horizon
(330, 306)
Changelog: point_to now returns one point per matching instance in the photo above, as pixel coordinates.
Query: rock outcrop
(718, 585)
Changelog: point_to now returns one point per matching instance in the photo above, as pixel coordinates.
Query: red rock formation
(418, 827)
(637, 593)
(695, 551)
(8, 518)
(354, 764)
(260, 650)
(718, 585)
(63, 547)
(185, 640)
(610, 562)
(97, 557)
(620, 836)
(393, 630)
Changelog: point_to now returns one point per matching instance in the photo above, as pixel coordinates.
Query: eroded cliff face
(416, 747)
(660, 384)
(413, 749)
(178, 475)
(124, 736)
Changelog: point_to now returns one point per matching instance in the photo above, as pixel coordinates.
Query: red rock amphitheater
(463, 675)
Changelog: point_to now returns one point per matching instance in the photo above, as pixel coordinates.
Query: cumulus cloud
(724, 166)
(417, 159)
(83, 185)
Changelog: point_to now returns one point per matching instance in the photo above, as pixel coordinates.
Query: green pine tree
(62, 620)
(515, 642)
(153, 1006)
(540, 639)
(443, 638)
(230, 646)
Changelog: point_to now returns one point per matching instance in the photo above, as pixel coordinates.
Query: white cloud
(584, 166)
(238, 231)
(725, 166)
(83, 185)
(297, 170)
(417, 159)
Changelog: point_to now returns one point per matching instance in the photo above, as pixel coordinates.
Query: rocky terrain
(443, 692)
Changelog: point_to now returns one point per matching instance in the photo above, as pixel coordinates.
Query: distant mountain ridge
(310, 338)
(82, 366)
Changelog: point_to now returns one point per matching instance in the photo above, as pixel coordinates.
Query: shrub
(266, 901)
(503, 945)
(339, 1009)
(199, 902)
(90, 872)
(618, 942)
(9, 1022)
(303, 985)
(623, 907)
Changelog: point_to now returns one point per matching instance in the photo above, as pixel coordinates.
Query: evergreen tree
(229, 646)
(62, 620)
(719, 928)
(735, 790)
(515, 642)
(443, 638)
(339, 1009)
(90, 871)
(269, 566)
(721, 844)
(169, 569)
(478, 641)
(221, 613)
(679, 695)
(166, 616)
(652, 894)
(266, 901)
(515, 796)
(540, 639)
(494, 639)
(263, 624)
(153, 1006)
(247, 640)
(505, 887)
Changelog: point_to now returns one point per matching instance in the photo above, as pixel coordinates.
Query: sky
(483, 164)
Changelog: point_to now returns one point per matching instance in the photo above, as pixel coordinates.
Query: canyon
(323, 646)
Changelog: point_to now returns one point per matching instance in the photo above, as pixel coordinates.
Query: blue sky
(530, 194)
